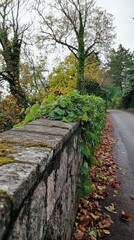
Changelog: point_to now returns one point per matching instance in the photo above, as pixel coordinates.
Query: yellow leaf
(111, 208)
(94, 216)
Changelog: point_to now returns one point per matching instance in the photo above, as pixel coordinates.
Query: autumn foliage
(9, 113)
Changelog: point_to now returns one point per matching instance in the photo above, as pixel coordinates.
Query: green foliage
(90, 111)
(84, 185)
(32, 114)
(92, 232)
(63, 78)
(128, 90)
(113, 96)
(118, 64)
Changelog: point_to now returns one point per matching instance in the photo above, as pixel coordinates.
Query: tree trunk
(80, 73)
(18, 93)
(81, 59)
(11, 54)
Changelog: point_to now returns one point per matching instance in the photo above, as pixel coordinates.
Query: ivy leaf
(81, 191)
(85, 117)
(85, 108)
(64, 119)
(92, 232)
(88, 186)
(59, 111)
(85, 151)
(84, 168)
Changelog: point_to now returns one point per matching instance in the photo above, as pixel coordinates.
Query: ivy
(90, 111)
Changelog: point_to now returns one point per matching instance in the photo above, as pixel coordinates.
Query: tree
(128, 90)
(94, 72)
(119, 62)
(79, 26)
(11, 38)
(63, 78)
(32, 77)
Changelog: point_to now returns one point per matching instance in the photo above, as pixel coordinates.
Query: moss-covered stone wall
(38, 175)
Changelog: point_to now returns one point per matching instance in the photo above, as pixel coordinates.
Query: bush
(90, 111)
(9, 113)
(117, 102)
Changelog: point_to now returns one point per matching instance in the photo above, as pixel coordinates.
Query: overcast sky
(123, 12)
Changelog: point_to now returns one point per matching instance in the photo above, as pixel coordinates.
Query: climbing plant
(90, 111)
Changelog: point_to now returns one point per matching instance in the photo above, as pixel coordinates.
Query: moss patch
(36, 144)
(6, 148)
(6, 160)
(59, 126)
(7, 145)
(4, 194)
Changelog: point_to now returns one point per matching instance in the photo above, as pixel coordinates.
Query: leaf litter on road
(93, 221)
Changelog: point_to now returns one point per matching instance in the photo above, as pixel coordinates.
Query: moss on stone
(6, 160)
(6, 148)
(36, 144)
(8, 144)
(59, 126)
(4, 194)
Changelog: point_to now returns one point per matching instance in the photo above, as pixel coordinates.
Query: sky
(123, 12)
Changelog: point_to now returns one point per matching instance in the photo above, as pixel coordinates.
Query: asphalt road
(123, 130)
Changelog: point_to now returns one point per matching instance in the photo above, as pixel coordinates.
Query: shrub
(9, 113)
(90, 111)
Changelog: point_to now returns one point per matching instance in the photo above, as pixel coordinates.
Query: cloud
(123, 12)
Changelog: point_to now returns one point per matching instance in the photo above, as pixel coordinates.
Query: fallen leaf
(93, 238)
(111, 208)
(132, 197)
(126, 216)
(81, 228)
(94, 216)
(101, 188)
(105, 231)
(104, 225)
(79, 235)
(91, 222)
(116, 191)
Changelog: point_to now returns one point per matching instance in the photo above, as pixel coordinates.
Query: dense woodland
(30, 32)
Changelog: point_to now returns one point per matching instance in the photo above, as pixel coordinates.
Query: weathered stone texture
(39, 201)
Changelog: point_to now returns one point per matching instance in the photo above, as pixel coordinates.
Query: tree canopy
(119, 62)
(11, 38)
(63, 77)
(78, 25)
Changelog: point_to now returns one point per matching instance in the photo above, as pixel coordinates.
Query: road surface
(123, 130)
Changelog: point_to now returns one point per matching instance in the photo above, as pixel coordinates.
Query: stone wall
(38, 182)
